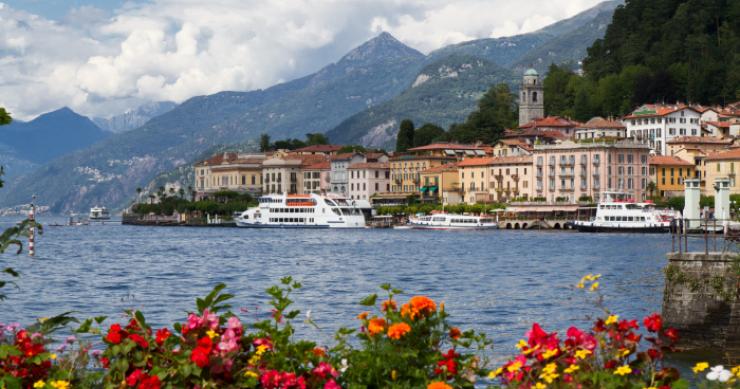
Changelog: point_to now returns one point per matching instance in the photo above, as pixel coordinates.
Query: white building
(339, 176)
(655, 124)
(368, 178)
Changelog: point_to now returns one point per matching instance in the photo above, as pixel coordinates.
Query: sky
(102, 57)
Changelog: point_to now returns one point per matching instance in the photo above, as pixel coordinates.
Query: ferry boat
(302, 211)
(618, 213)
(452, 221)
(99, 213)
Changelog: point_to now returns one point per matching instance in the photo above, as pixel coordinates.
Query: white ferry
(302, 211)
(618, 213)
(452, 221)
(99, 213)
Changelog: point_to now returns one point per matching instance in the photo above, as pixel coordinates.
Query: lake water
(498, 282)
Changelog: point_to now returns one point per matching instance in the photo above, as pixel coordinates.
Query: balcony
(596, 162)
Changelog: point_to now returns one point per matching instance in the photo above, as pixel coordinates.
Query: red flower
(105, 362)
(134, 377)
(200, 357)
(138, 339)
(115, 334)
(654, 354)
(625, 325)
(448, 363)
(671, 333)
(653, 323)
(162, 335)
(331, 384)
(325, 370)
(150, 382)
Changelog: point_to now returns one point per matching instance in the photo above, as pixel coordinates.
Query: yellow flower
(736, 371)
(549, 377)
(594, 286)
(588, 277)
(550, 353)
(522, 344)
(582, 354)
(540, 385)
(580, 285)
(699, 367)
(514, 367)
(531, 350)
(251, 374)
(59, 384)
(652, 387)
(571, 369)
(261, 349)
(53, 356)
(495, 373)
(394, 375)
(211, 334)
(623, 370)
(550, 368)
(611, 319)
(39, 384)
(624, 352)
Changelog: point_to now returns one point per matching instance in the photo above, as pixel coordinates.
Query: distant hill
(134, 118)
(444, 92)
(50, 135)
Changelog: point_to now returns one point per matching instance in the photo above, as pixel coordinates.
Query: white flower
(308, 315)
(343, 365)
(719, 373)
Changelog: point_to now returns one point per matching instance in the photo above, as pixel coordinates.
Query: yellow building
(695, 148)
(229, 171)
(406, 168)
(722, 165)
(500, 179)
(668, 174)
(440, 183)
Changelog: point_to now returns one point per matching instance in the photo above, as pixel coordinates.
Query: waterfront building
(237, 172)
(726, 129)
(316, 177)
(531, 97)
(499, 179)
(694, 149)
(511, 148)
(571, 172)
(668, 173)
(406, 168)
(657, 124)
(722, 164)
(368, 178)
(326, 150)
(339, 175)
(598, 128)
(550, 124)
(532, 136)
(284, 173)
(440, 184)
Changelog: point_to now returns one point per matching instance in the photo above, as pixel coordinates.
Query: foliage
(497, 111)
(405, 136)
(221, 203)
(264, 143)
(5, 117)
(428, 134)
(585, 199)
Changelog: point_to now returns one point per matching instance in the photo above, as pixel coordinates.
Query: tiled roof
(339, 157)
(720, 124)
(598, 122)
(229, 158)
(323, 165)
(668, 160)
(450, 167)
(535, 133)
(446, 146)
(651, 110)
(370, 165)
(699, 140)
(318, 149)
(468, 162)
(733, 154)
(551, 121)
(518, 143)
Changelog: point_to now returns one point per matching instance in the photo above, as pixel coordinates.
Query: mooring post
(32, 230)
(706, 234)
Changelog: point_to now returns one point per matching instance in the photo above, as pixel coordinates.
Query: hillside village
(548, 161)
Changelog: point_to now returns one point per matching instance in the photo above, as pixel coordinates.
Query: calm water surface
(498, 282)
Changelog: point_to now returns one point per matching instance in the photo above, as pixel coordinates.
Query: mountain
(13, 165)
(109, 172)
(134, 118)
(50, 135)
(444, 92)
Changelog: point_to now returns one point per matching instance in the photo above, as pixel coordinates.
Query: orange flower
(376, 325)
(417, 306)
(396, 331)
(438, 385)
(455, 333)
(388, 304)
(319, 352)
(363, 315)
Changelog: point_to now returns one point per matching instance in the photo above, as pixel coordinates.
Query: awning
(433, 188)
(423, 189)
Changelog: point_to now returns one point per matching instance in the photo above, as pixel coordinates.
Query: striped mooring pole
(32, 231)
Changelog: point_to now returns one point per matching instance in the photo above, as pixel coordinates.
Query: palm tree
(651, 188)
(138, 193)
(181, 192)
(151, 199)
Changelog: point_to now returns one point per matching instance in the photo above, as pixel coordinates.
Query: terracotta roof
(518, 143)
(535, 133)
(229, 159)
(446, 146)
(720, 124)
(699, 140)
(733, 154)
(450, 167)
(342, 156)
(468, 162)
(318, 149)
(551, 121)
(651, 110)
(370, 165)
(598, 122)
(668, 160)
(323, 165)
(373, 156)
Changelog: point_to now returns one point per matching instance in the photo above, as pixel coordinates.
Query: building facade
(499, 179)
(531, 97)
(367, 179)
(406, 168)
(599, 128)
(572, 172)
(316, 177)
(229, 171)
(282, 175)
(440, 184)
(668, 173)
(724, 164)
(694, 149)
(657, 124)
(339, 176)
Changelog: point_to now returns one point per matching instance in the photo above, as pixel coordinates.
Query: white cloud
(101, 64)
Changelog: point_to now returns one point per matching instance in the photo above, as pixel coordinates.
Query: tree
(4, 117)
(496, 112)
(405, 137)
(316, 139)
(265, 143)
(427, 134)
(181, 192)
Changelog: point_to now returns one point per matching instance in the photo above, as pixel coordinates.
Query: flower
(699, 367)
(550, 353)
(582, 354)
(398, 330)
(134, 378)
(539, 385)
(331, 384)
(571, 369)
(376, 325)
(211, 334)
(438, 385)
(594, 286)
(522, 344)
(162, 335)
(719, 373)
(363, 315)
(60, 384)
(343, 365)
(418, 306)
(623, 370)
(515, 366)
(653, 323)
(495, 373)
(671, 333)
(138, 339)
(39, 384)
(251, 374)
(736, 371)
(325, 370)
(455, 333)
(52, 356)
(200, 354)
(115, 334)
(388, 305)
(611, 319)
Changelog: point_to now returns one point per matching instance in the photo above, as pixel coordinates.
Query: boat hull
(455, 228)
(250, 225)
(623, 229)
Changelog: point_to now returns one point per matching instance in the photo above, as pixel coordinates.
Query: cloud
(101, 63)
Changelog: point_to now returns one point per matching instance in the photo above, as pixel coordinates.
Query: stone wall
(702, 300)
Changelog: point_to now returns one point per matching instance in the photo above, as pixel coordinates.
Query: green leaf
(9, 350)
(369, 300)
(11, 272)
(385, 286)
(84, 327)
(100, 319)
(140, 318)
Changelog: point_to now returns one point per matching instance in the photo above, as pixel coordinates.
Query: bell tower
(531, 98)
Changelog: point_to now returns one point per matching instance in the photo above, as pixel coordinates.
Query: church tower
(531, 98)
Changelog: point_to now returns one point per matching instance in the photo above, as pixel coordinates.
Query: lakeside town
(548, 167)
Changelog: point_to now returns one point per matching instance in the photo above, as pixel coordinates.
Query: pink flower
(234, 324)
(324, 370)
(331, 384)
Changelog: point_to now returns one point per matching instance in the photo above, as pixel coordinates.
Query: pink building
(316, 177)
(368, 178)
(569, 172)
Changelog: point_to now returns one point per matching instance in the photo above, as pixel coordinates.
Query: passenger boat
(618, 213)
(452, 221)
(302, 211)
(99, 213)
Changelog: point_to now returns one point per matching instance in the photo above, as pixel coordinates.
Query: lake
(498, 282)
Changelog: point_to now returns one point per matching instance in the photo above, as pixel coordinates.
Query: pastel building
(668, 173)
(368, 178)
(723, 164)
(229, 171)
(598, 128)
(657, 124)
(440, 184)
(316, 177)
(406, 168)
(500, 179)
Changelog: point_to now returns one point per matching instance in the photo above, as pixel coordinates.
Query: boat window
(438, 219)
(333, 204)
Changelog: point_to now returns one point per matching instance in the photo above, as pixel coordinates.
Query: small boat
(99, 213)
(452, 221)
(302, 211)
(618, 213)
